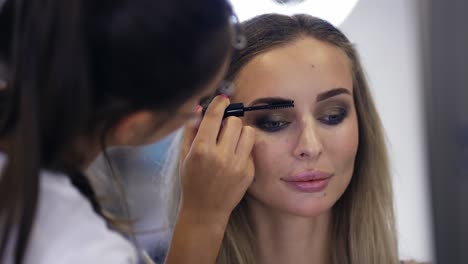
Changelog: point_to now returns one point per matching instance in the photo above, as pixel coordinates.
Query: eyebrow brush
(238, 109)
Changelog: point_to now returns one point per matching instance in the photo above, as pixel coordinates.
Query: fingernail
(198, 108)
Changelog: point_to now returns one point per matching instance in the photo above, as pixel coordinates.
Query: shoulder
(67, 230)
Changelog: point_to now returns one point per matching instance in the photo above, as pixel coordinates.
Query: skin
(291, 226)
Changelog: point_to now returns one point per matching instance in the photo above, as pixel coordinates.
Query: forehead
(301, 69)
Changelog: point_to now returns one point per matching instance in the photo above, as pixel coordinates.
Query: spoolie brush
(238, 109)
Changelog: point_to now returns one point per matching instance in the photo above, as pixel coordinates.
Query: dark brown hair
(77, 67)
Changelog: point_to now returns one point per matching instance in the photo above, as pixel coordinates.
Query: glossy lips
(308, 181)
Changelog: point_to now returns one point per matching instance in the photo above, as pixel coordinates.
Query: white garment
(67, 230)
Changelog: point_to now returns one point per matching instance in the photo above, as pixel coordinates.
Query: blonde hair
(363, 226)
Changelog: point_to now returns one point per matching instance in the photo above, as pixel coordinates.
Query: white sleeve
(67, 230)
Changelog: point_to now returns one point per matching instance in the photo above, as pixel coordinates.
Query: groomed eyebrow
(269, 100)
(320, 97)
(331, 93)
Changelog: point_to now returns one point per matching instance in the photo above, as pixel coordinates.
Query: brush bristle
(277, 105)
(282, 106)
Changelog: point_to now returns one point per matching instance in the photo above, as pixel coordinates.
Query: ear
(133, 129)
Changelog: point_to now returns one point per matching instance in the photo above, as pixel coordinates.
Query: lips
(308, 181)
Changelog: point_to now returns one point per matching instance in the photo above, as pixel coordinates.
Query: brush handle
(236, 109)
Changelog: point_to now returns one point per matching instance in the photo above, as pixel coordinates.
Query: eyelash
(335, 117)
(267, 125)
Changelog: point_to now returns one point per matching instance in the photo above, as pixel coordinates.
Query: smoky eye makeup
(270, 120)
(332, 113)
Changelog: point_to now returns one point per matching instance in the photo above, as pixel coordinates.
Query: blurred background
(387, 35)
(414, 54)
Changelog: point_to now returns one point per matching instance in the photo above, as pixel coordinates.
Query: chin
(308, 207)
(304, 206)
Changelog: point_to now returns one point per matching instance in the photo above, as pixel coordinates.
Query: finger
(246, 143)
(250, 170)
(186, 142)
(230, 133)
(211, 122)
(190, 131)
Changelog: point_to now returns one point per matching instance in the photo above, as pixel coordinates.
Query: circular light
(334, 11)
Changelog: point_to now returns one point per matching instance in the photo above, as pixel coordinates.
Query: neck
(284, 238)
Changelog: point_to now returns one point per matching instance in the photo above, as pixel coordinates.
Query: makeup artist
(82, 75)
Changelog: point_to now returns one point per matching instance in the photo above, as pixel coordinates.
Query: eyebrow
(321, 97)
(331, 93)
(269, 100)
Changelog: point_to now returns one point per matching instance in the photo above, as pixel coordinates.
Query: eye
(270, 125)
(334, 117)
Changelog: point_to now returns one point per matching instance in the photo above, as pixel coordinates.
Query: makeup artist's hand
(218, 166)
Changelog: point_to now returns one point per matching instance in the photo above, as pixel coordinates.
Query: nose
(308, 145)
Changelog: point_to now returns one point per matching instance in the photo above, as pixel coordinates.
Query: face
(304, 156)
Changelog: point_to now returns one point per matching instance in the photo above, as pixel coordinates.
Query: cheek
(262, 156)
(343, 146)
(269, 155)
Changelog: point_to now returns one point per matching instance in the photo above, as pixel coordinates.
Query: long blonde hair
(363, 226)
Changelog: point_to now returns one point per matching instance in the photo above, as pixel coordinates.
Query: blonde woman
(322, 191)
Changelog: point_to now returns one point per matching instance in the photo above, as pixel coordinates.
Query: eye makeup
(333, 116)
(332, 112)
(271, 121)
